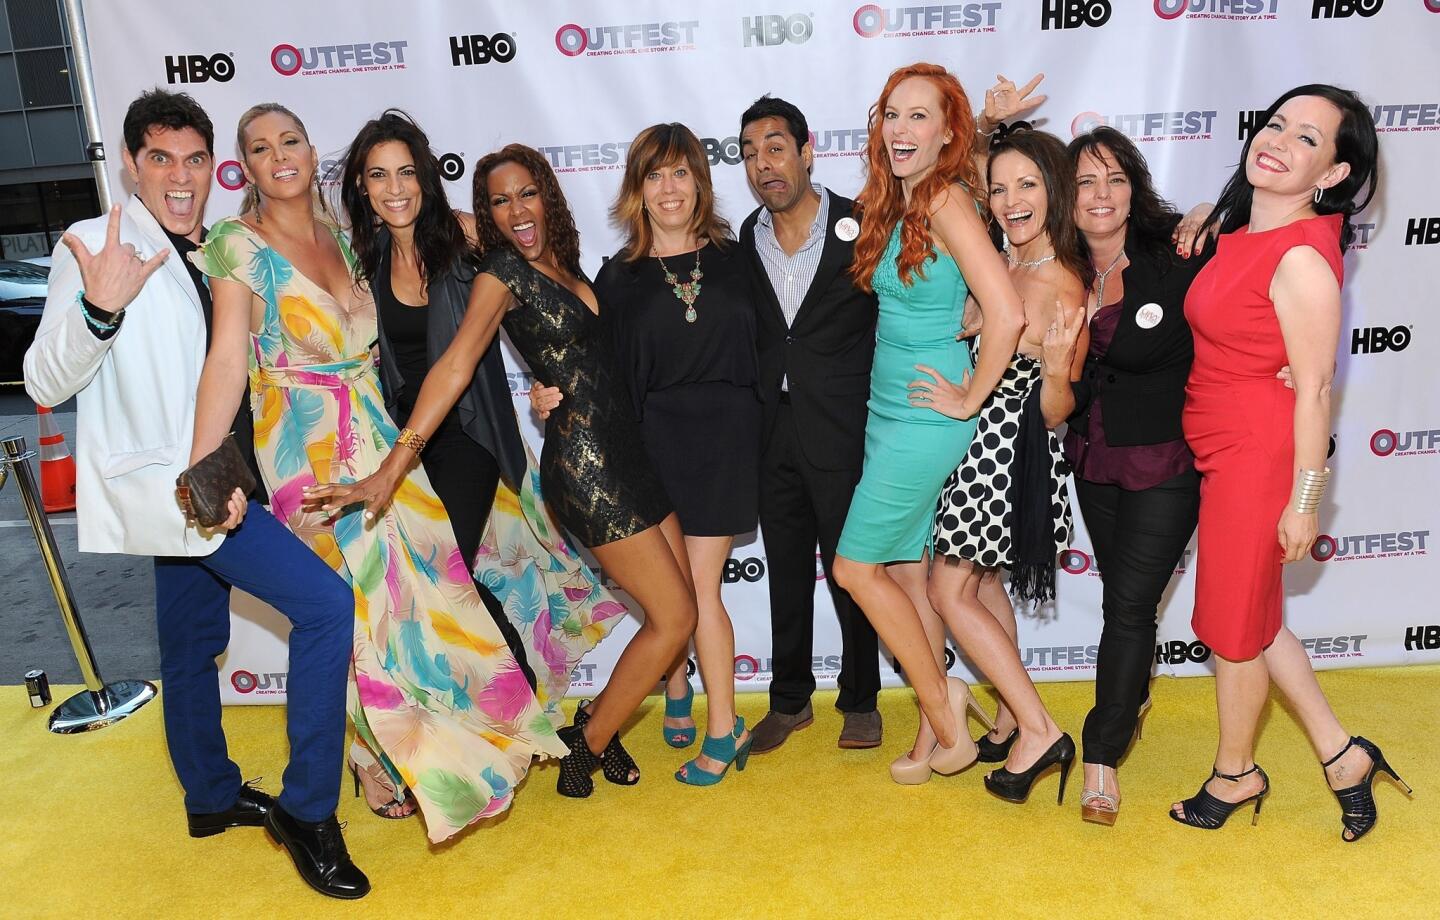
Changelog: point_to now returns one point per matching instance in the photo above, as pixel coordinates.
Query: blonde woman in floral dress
(442, 710)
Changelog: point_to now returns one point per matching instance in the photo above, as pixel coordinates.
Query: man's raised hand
(114, 276)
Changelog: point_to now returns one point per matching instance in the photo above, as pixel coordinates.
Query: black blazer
(1142, 376)
(826, 354)
(486, 413)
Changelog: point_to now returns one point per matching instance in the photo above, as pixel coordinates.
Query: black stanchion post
(99, 704)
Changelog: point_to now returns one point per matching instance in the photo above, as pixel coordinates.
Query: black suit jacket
(1142, 376)
(826, 354)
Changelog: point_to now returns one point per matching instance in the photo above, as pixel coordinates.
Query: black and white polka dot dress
(973, 515)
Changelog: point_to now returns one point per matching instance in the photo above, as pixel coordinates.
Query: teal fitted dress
(909, 450)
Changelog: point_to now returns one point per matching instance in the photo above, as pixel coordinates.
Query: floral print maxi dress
(437, 697)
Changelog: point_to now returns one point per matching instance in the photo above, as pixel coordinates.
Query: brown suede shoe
(862, 730)
(770, 732)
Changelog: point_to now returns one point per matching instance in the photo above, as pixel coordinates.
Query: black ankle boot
(575, 781)
(319, 853)
(616, 764)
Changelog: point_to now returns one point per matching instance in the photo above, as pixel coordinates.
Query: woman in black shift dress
(593, 469)
(678, 302)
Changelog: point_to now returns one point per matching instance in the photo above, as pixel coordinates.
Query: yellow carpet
(93, 826)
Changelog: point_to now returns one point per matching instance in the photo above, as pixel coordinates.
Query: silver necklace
(1100, 280)
(1031, 263)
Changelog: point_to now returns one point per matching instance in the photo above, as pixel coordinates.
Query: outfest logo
(1388, 443)
(322, 60)
(1395, 118)
(574, 40)
(1228, 10)
(1370, 546)
(875, 21)
(1191, 125)
(838, 142)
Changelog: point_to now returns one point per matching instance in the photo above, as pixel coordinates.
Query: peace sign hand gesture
(113, 276)
(1004, 101)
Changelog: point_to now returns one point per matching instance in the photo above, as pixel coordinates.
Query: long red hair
(882, 202)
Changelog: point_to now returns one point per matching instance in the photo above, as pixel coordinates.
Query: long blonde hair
(251, 201)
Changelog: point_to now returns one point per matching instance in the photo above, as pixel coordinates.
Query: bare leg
(1241, 688)
(911, 577)
(954, 592)
(714, 640)
(677, 680)
(898, 624)
(1292, 672)
(651, 567)
(996, 599)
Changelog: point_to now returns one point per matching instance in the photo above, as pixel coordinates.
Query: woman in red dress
(1271, 296)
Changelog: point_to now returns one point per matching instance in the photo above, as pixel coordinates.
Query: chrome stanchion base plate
(86, 711)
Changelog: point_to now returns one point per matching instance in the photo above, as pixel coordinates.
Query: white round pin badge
(1149, 316)
(847, 229)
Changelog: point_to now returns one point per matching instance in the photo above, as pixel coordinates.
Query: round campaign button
(1149, 316)
(847, 229)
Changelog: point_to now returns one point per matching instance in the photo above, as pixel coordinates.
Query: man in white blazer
(125, 331)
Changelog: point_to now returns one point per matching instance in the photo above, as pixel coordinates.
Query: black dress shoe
(248, 811)
(319, 853)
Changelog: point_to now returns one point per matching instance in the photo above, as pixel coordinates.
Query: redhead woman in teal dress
(923, 249)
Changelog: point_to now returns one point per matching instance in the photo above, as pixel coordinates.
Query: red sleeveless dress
(1239, 421)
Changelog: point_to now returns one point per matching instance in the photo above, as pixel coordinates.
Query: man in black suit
(816, 340)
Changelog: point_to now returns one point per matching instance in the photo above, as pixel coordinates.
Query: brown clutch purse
(205, 488)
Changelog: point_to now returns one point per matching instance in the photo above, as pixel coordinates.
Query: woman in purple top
(1135, 478)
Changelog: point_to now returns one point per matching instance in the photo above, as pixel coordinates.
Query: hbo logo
(727, 150)
(776, 30)
(1180, 652)
(1364, 341)
(750, 569)
(197, 68)
(1344, 9)
(1072, 14)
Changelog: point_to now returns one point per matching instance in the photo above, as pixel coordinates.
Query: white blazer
(135, 395)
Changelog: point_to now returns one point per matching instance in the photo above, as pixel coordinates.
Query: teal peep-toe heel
(723, 749)
(679, 709)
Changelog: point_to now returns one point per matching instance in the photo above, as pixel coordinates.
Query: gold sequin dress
(593, 469)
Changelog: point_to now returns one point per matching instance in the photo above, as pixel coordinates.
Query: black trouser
(1139, 537)
(464, 476)
(800, 506)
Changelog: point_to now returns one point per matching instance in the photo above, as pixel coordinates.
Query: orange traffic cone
(57, 467)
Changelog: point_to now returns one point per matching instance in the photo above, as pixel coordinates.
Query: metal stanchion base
(87, 711)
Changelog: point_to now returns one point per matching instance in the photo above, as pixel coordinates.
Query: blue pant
(192, 612)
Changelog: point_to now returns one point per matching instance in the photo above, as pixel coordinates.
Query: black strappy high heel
(1206, 812)
(1357, 803)
(575, 768)
(1015, 787)
(616, 764)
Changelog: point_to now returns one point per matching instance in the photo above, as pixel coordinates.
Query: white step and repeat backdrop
(1184, 78)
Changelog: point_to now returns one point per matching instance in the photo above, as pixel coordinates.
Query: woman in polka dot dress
(1007, 504)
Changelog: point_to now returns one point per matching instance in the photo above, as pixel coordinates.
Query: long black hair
(1152, 218)
(1048, 154)
(439, 237)
(1355, 143)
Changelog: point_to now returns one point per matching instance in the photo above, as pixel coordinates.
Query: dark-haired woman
(1271, 295)
(415, 254)
(1006, 504)
(1135, 478)
(440, 706)
(593, 468)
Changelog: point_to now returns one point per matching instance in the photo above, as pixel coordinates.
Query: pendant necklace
(1100, 281)
(686, 292)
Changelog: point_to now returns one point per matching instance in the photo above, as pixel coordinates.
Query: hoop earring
(1318, 192)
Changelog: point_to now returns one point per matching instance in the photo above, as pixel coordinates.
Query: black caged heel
(1358, 813)
(616, 764)
(575, 768)
(1206, 812)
